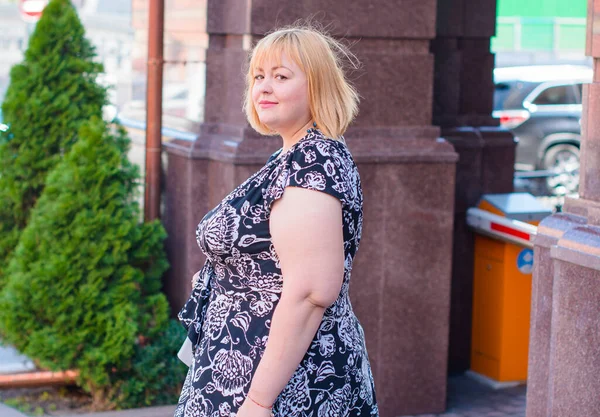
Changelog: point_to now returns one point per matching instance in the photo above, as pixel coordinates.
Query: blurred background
(118, 29)
(537, 96)
(540, 68)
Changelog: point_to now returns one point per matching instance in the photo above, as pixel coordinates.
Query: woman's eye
(258, 77)
(281, 77)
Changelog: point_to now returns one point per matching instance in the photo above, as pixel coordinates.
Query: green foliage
(84, 282)
(156, 375)
(50, 94)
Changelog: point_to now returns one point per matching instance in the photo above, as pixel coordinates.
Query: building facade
(540, 31)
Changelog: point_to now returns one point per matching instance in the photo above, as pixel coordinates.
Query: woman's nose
(266, 86)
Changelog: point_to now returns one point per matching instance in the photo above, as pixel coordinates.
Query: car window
(557, 95)
(580, 92)
(510, 94)
(501, 92)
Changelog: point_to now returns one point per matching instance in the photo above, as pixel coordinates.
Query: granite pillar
(564, 356)
(573, 383)
(462, 107)
(550, 230)
(401, 279)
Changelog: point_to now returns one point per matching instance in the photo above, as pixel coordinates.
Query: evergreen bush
(84, 282)
(156, 374)
(50, 94)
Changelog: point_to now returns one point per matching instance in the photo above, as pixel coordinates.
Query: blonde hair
(332, 99)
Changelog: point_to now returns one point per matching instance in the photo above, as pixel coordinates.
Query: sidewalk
(466, 398)
(12, 362)
(6, 411)
(166, 411)
(469, 398)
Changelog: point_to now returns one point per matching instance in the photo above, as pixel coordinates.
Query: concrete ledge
(163, 411)
(6, 411)
(491, 383)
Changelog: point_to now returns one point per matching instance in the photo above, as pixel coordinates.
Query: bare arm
(306, 230)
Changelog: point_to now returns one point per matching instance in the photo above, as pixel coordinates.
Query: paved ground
(466, 398)
(165, 411)
(11, 361)
(469, 398)
(6, 411)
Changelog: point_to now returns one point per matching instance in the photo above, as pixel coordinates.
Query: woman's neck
(293, 138)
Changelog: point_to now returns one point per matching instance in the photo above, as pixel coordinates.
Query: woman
(278, 335)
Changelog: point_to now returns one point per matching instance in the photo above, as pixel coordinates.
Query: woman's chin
(273, 127)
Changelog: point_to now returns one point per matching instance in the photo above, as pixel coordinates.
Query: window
(580, 92)
(557, 95)
(510, 95)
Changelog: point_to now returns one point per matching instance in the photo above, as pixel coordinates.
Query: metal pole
(154, 109)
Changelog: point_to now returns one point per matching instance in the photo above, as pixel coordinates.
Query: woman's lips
(266, 104)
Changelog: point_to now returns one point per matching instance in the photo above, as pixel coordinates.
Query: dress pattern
(244, 279)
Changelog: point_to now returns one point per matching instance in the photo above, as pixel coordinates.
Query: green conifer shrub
(83, 287)
(156, 374)
(50, 94)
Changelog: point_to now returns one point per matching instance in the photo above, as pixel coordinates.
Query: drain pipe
(154, 109)
(37, 379)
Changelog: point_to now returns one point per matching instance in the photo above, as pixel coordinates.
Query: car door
(555, 112)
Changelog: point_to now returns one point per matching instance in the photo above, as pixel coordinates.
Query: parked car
(541, 105)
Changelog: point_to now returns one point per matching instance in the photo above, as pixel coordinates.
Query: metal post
(518, 34)
(154, 109)
(555, 38)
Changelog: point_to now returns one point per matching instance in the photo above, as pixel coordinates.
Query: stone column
(565, 356)
(549, 232)
(463, 104)
(401, 279)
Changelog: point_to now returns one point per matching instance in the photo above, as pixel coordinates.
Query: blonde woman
(277, 335)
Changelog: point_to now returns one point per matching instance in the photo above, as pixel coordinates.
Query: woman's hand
(196, 278)
(251, 409)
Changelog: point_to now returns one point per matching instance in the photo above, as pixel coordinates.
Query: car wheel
(563, 159)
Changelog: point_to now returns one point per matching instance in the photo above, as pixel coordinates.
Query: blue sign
(525, 261)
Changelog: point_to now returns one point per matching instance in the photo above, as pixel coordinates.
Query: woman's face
(280, 95)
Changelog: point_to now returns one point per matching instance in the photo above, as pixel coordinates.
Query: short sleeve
(317, 165)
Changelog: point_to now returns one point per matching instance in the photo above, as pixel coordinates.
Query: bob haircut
(333, 101)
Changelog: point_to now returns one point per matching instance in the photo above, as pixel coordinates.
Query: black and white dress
(334, 378)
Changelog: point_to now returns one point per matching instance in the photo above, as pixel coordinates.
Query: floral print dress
(244, 286)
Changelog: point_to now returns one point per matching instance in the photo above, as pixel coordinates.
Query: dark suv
(541, 105)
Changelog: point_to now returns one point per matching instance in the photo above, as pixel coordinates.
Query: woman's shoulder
(323, 147)
(316, 163)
